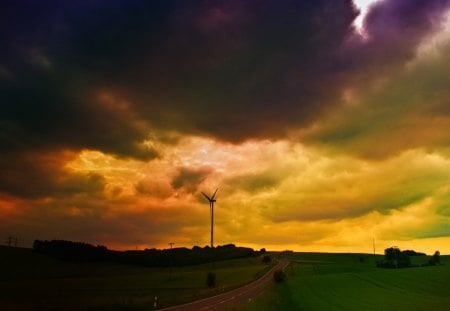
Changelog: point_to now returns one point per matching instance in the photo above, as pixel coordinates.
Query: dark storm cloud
(239, 70)
(261, 181)
(189, 179)
(226, 68)
(50, 96)
(393, 30)
(37, 175)
(389, 21)
(230, 69)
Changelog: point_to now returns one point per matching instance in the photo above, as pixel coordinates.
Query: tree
(211, 279)
(279, 275)
(435, 259)
(394, 258)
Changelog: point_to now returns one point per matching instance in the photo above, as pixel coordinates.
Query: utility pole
(170, 260)
(11, 241)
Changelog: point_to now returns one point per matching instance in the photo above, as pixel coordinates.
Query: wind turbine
(211, 200)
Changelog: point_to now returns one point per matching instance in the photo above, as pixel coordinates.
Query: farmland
(315, 281)
(30, 281)
(352, 282)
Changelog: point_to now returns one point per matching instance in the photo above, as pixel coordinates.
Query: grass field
(315, 281)
(30, 281)
(352, 282)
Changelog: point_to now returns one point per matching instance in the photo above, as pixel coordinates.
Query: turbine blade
(206, 196)
(212, 198)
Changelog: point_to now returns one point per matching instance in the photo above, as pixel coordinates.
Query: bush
(266, 259)
(435, 259)
(279, 275)
(211, 279)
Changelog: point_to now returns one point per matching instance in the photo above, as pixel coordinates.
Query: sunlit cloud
(363, 6)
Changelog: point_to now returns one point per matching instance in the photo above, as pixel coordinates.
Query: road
(233, 297)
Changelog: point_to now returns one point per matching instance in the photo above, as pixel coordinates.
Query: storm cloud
(227, 69)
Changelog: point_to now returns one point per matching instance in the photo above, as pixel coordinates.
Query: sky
(324, 124)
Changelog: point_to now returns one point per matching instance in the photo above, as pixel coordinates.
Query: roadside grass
(347, 282)
(30, 281)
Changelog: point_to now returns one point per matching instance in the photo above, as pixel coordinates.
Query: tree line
(396, 258)
(181, 256)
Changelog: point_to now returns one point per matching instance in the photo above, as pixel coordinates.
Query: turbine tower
(211, 200)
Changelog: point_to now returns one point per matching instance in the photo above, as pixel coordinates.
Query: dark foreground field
(315, 281)
(351, 282)
(31, 281)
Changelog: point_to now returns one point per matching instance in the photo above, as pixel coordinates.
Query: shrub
(211, 279)
(435, 259)
(266, 259)
(279, 275)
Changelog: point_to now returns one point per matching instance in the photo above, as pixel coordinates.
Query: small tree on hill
(211, 279)
(394, 258)
(279, 275)
(435, 259)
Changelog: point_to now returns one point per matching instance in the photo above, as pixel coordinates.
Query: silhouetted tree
(394, 258)
(72, 251)
(211, 279)
(279, 275)
(410, 252)
(435, 259)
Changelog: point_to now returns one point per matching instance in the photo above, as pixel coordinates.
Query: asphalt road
(233, 297)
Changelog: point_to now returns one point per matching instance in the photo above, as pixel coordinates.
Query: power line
(170, 261)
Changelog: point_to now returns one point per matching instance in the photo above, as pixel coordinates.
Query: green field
(30, 281)
(315, 281)
(352, 282)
